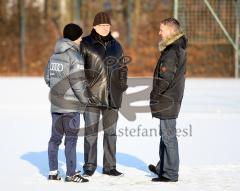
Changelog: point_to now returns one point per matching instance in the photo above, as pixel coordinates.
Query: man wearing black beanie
(106, 73)
(65, 76)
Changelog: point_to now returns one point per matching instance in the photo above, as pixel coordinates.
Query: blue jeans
(168, 165)
(64, 124)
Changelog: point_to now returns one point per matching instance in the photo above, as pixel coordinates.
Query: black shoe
(153, 169)
(87, 173)
(54, 177)
(112, 172)
(76, 178)
(163, 179)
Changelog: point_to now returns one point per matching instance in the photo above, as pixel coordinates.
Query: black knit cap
(72, 31)
(101, 18)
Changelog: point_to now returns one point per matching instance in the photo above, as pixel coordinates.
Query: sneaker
(76, 178)
(87, 173)
(54, 177)
(163, 179)
(112, 172)
(153, 169)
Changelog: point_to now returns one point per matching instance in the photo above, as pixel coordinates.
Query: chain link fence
(210, 52)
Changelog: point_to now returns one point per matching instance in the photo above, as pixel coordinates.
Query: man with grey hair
(166, 97)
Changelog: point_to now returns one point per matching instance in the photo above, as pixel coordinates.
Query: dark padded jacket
(65, 76)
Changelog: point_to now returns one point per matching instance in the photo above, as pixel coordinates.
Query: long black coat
(169, 81)
(106, 71)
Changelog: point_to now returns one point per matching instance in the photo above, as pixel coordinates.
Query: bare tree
(22, 28)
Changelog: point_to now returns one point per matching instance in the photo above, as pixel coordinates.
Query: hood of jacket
(64, 44)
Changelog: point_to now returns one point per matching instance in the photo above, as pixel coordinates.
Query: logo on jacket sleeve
(57, 67)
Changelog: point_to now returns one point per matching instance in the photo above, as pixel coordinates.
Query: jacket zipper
(105, 48)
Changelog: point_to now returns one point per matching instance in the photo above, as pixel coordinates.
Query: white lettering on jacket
(56, 67)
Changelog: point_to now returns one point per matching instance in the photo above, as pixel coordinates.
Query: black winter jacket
(169, 81)
(106, 71)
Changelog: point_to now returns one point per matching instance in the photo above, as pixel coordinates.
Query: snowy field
(208, 134)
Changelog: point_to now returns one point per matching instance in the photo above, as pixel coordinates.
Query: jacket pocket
(159, 85)
(123, 72)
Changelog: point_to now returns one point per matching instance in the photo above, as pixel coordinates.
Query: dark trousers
(64, 124)
(168, 165)
(109, 122)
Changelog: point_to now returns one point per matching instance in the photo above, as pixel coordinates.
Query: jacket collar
(163, 44)
(102, 39)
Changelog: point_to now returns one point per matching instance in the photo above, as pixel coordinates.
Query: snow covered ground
(208, 133)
